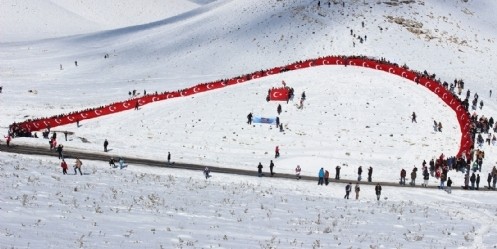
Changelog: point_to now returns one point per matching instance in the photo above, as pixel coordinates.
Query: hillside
(352, 116)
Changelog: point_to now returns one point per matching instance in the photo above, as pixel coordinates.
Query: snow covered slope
(352, 116)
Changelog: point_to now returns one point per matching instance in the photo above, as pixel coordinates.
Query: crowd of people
(480, 127)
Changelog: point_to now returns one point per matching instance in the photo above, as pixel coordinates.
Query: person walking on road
(321, 176)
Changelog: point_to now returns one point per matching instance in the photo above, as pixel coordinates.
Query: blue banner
(263, 120)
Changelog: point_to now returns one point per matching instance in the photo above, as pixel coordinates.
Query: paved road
(43, 151)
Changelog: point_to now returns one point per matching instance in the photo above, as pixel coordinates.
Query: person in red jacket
(276, 152)
(7, 139)
(63, 165)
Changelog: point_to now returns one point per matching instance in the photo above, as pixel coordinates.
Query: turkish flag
(278, 94)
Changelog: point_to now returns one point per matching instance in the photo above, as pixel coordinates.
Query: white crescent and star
(326, 62)
(83, 115)
(141, 102)
(112, 108)
(364, 64)
(338, 62)
(310, 63)
(209, 86)
(170, 95)
(36, 125)
(155, 99)
(298, 66)
(457, 109)
(444, 96)
(277, 94)
(70, 118)
(126, 105)
(57, 121)
(352, 63)
(437, 89)
(402, 74)
(195, 90)
(239, 80)
(98, 112)
(45, 122)
(378, 67)
(390, 70)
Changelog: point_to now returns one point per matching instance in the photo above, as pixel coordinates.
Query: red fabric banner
(446, 96)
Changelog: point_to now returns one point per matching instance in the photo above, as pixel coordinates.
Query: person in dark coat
(403, 174)
(279, 109)
(337, 172)
(377, 190)
(106, 143)
(348, 188)
(168, 157)
(259, 169)
(370, 174)
(249, 118)
(449, 186)
(112, 162)
(472, 179)
(326, 177)
(271, 166)
(59, 151)
(359, 173)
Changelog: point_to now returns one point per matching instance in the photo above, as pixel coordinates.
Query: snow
(352, 116)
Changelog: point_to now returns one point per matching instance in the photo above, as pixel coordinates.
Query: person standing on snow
(77, 166)
(298, 170)
(169, 158)
(7, 139)
(321, 176)
(348, 188)
(413, 117)
(259, 169)
(413, 177)
(377, 190)
(106, 143)
(112, 162)
(59, 151)
(357, 190)
(359, 173)
(326, 177)
(276, 152)
(207, 172)
(426, 177)
(337, 172)
(370, 174)
(271, 166)
(279, 109)
(63, 165)
(403, 174)
(121, 163)
(449, 186)
(249, 118)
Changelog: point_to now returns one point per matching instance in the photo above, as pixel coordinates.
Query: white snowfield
(352, 116)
